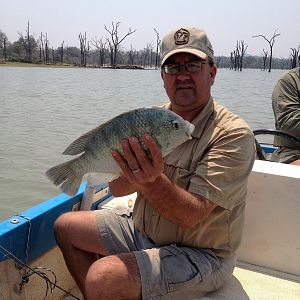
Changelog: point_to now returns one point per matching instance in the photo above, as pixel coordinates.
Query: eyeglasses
(189, 67)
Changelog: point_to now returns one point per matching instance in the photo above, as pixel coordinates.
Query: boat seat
(247, 283)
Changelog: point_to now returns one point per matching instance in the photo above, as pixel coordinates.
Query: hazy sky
(225, 21)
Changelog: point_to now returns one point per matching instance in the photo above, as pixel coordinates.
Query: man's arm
(173, 203)
(122, 187)
(286, 105)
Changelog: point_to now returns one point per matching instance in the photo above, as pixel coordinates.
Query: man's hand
(137, 167)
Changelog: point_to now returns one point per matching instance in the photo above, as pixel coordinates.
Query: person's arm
(122, 187)
(172, 202)
(286, 105)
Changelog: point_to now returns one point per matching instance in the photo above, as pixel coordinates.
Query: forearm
(122, 187)
(175, 204)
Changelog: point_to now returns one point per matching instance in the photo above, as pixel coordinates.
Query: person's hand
(296, 162)
(137, 167)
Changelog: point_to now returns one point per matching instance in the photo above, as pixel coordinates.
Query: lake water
(44, 109)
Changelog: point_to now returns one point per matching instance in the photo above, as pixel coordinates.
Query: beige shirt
(214, 164)
(286, 108)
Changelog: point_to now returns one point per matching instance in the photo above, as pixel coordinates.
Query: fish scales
(167, 128)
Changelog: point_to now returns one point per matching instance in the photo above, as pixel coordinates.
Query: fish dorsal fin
(79, 145)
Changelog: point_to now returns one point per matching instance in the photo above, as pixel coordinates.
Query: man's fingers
(154, 149)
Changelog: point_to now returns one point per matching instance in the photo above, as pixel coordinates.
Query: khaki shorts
(169, 272)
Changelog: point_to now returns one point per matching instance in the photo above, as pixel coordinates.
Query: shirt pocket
(179, 171)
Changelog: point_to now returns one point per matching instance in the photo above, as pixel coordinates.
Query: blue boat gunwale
(39, 220)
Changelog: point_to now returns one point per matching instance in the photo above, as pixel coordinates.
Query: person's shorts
(169, 272)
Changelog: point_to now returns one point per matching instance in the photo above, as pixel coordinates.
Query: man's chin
(185, 98)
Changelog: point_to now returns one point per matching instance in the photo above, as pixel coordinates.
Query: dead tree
(131, 56)
(231, 61)
(235, 58)
(158, 41)
(4, 48)
(27, 43)
(84, 48)
(41, 48)
(47, 50)
(294, 57)
(242, 49)
(264, 57)
(62, 52)
(271, 42)
(115, 41)
(53, 55)
(101, 48)
(3, 44)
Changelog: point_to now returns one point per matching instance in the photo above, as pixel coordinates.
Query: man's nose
(182, 73)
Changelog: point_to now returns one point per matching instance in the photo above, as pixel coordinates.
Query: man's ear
(213, 73)
(161, 74)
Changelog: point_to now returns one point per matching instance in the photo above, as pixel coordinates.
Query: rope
(50, 285)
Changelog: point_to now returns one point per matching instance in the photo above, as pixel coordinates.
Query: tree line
(108, 52)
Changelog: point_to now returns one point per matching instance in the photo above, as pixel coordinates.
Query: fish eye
(175, 125)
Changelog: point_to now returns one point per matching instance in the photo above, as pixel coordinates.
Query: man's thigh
(117, 231)
(168, 272)
(80, 230)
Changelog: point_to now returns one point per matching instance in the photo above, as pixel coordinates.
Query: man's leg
(78, 238)
(114, 277)
(110, 277)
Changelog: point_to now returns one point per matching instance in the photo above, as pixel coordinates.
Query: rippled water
(45, 109)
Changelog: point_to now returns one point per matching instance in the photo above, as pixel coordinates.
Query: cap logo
(181, 36)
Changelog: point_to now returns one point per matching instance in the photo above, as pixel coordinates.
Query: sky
(225, 21)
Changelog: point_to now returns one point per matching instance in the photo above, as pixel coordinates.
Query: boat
(32, 266)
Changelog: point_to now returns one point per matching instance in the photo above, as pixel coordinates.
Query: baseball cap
(186, 40)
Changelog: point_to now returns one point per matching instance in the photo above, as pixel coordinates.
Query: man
(189, 213)
(286, 109)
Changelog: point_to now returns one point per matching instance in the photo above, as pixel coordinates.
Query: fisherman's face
(188, 90)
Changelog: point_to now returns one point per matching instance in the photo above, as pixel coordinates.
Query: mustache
(184, 84)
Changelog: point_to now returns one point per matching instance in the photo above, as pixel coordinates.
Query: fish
(95, 147)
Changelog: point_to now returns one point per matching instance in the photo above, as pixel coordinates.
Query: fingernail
(133, 139)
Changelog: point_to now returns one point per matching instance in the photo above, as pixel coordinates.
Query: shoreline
(32, 65)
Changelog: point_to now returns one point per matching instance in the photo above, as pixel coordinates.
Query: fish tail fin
(63, 176)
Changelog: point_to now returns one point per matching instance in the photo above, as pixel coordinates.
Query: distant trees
(84, 48)
(101, 48)
(237, 56)
(295, 57)
(158, 41)
(271, 42)
(264, 57)
(3, 44)
(28, 43)
(115, 41)
(107, 51)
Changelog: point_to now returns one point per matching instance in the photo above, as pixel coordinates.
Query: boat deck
(248, 284)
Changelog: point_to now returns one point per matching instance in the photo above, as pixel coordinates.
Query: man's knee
(114, 276)
(61, 227)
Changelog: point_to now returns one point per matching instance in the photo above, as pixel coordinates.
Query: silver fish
(167, 128)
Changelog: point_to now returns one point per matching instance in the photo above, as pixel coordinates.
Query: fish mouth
(190, 129)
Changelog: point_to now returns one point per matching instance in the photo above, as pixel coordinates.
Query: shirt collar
(201, 119)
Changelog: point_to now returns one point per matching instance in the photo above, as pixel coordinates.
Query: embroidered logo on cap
(181, 36)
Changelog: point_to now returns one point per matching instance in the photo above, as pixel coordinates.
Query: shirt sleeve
(286, 104)
(221, 176)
